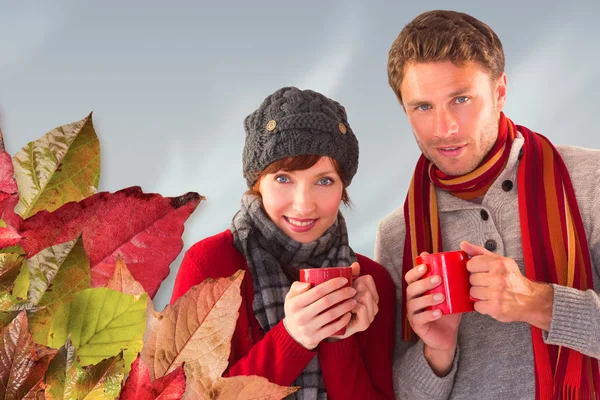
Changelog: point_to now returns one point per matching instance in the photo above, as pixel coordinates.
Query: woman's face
(303, 204)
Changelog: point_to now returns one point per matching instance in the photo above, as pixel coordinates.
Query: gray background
(170, 84)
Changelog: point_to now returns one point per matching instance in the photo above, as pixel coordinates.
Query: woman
(299, 156)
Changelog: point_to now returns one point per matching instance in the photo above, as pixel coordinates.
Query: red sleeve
(276, 355)
(188, 275)
(360, 367)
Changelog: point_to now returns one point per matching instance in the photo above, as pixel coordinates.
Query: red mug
(316, 276)
(452, 267)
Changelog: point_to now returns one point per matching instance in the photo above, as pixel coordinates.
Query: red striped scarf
(554, 242)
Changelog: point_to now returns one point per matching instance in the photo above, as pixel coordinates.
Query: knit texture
(293, 122)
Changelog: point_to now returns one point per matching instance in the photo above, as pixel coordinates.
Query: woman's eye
(325, 181)
(282, 179)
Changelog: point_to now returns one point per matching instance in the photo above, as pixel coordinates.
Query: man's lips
(452, 150)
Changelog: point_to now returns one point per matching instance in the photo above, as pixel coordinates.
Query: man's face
(454, 112)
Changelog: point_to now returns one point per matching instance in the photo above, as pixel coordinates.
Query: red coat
(358, 367)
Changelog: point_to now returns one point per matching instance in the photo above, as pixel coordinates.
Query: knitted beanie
(294, 122)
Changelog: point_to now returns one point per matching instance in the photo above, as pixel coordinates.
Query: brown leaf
(123, 281)
(197, 328)
(23, 363)
(234, 388)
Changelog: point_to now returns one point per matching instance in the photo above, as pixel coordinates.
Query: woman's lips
(300, 224)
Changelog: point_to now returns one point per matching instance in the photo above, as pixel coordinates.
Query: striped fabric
(554, 242)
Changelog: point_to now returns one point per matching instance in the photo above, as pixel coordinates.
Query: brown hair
(297, 163)
(442, 35)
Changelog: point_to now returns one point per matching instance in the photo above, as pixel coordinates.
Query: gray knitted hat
(294, 122)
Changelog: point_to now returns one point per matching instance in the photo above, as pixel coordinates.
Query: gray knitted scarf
(267, 250)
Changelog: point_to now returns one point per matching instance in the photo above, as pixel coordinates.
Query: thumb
(355, 269)
(474, 250)
(298, 288)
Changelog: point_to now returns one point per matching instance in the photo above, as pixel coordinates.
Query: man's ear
(500, 91)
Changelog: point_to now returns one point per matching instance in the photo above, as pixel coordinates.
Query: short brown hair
(441, 35)
(298, 163)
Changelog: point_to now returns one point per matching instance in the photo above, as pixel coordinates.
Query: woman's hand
(366, 306)
(307, 317)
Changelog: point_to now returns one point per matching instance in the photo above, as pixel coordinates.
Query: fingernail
(435, 279)
(438, 297)
(344, 281)
(437, 313)
(421, 268)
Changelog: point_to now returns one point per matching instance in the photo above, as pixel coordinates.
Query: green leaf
(60, 167)
(56, 274)
(67, 379)
(101, 323)
(22, 282)
(13, 249)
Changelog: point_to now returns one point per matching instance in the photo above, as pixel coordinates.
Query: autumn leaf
(9, 221)
(139, 387)
(8, 184)
(234, 388)
(23, 362)
(10, 266)
(56, 274)
(60, 167)
(67, 379)
(123, 281)
(101, 323)
(8, 237)
(145, 229)
(197, 328)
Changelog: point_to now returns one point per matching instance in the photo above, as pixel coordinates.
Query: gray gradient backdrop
(170, 83)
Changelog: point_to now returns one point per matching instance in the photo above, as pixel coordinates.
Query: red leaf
(8, 184)
(9, 197)
(138, 386)
(144, 228)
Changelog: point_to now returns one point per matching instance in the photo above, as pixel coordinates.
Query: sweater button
(491, 245)
(507, 185)
(484, 215)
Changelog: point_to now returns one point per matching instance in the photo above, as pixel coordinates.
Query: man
(524, 210)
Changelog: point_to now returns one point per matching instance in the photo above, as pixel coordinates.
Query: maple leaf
(145, 229)
(23, 362)
(67, 379)
(139, 387)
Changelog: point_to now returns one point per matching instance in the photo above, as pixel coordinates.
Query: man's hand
(503, 292)
(438, 333)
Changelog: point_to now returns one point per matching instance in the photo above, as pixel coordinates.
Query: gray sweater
(494, 360)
